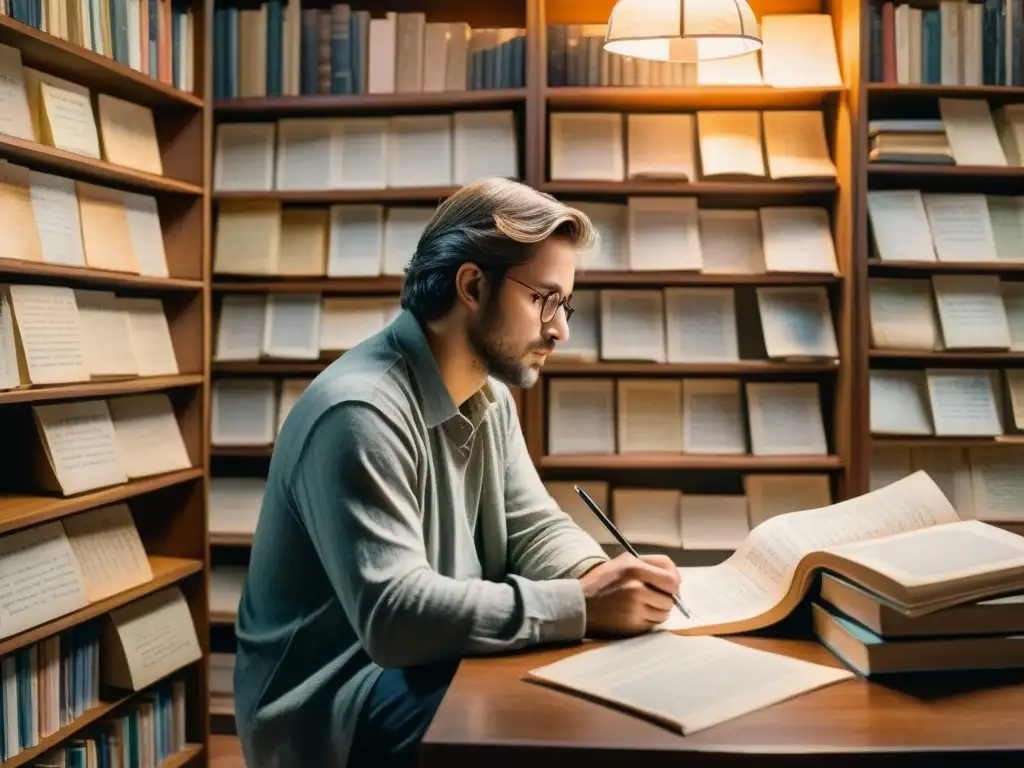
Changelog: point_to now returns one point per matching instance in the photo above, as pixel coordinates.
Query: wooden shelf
(669, 461)
(275, 368)
(585, 278)
(749, 190)
(330, 196)
(288, 106)
(223, 618)
(52, 273)
(950, 172)
(335, 285)
(742, 368)
(20, 511)
(231, 539)
(694, 97)
(190, 753)
(1003, 93)
(100, 388)
(64, 163)
(166, 571)
(917, 356)
(98, 73)
(923, 441)
(243, 451)
(877, 267)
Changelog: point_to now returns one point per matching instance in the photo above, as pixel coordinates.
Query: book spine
(275, 37)
(341, 48)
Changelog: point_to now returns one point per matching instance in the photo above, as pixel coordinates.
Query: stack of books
(909, 141)
(875, 635)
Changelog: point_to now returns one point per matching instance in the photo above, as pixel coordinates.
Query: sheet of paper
(356, 241)
(151, 335)
(648, 516)
(713, 521)
(157, 637)
(963, 403)
(70, 120)
(889, 463)
(972, 311)
(584, 341)
(688, 683)
(39, 578)
(240, 327)
(235, 503)
(961, 227)
(105, 334)
(650, 415)
(785, 419)
(244, 158)
(799, 50)
(9, 374)
(611, 220)
(997, 482)
(15, 118)
(633, 325)
(701, 325)
(149, 439)
(304, 234)
(771, 495)
(146, 234)
(587, 146)
(1013, 300)
(757, 576)
(949, 468)
(730, 242)
(109, 551)
(55, 205)
(661, 146)
(581, 416)
(50, 333)
(292, 326)
(243, 412)
(248, 237)
(484, 146)
(106, 234)
(713, 420)
(403, 227)
(80, 441)
(17, 217)
(899, 225)
(899, 403)
(730, 143)
(735, 70)
(797, 322)
(971, 132)
(347, 321)
(798, 239)
(902, 314)
(795, 144)
(664, 234)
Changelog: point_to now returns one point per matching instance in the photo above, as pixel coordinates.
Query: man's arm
(543, 541)
(355, 486)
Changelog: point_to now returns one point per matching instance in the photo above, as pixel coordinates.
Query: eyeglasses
(552, 301)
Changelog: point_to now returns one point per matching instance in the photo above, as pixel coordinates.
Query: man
(404, 525)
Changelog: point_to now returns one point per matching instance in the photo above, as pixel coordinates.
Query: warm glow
(682, 30)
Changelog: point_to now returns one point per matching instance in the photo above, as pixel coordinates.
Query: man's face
(507, 334)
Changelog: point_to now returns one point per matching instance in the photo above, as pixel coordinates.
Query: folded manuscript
(903, 542)
(686, 683)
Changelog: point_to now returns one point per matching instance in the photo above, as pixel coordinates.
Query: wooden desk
(491, 718)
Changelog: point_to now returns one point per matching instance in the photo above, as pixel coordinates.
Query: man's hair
(493, 223)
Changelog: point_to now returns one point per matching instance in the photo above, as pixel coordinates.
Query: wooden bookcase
(169, 510)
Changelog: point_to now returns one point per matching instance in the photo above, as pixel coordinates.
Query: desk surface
(492, 718)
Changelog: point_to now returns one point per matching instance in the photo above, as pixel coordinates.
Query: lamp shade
(682, 30)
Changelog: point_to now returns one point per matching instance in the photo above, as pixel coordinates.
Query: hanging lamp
(682, 30)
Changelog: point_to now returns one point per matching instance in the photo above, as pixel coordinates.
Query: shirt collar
(435, 400)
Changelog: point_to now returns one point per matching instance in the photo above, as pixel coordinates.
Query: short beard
(497, 359)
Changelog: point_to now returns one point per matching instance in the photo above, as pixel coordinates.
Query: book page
(730, 242)
(902, 314)
(756, 578)
(730, 143)
(650, 415)
(157, 637)
(49, 333)
(240, 327)
(419, 151)
(356, 241)
(149, 439)
(795, 144)
(687, 683)
(69, 119)
(661, 146)
(771, 495)
(565, 496)
(611, 220)
(17, 216)
(899, 403)
(485, 146)
(109, 551)
(403, 227)
(797, 322)
(248, 237)
(713, 420)
(700, 325)
(647, 516)
(713, 521)
(963, 403)
(150, 334)
(39, 578)
(129, 134)
(55, 209)
(997, 482)
(664, 234)
(303, 249)
(360, 152)
(798, 239)
(15, 118)
(146, 234)
(235, 503)
(292, 326)
(587, 146)
(900, 228)
(785, 419)
(304, 152)
(348, 321)
(581, 416)
(799, 51)
(972, 312)
(80, 442)
(106, 234)
(583, 344)
(106, 337)
(633, 325)
(243, 412)
(940, 554)
(244, 157)
(10, 377)
(971, 132)
(960, 226)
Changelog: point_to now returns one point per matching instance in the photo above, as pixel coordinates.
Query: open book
(903, 542)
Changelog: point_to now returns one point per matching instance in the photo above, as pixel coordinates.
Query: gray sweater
(396, 530)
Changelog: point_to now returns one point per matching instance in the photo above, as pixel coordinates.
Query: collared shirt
(396, 530)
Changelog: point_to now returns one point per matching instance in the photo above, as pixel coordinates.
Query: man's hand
(621, 594)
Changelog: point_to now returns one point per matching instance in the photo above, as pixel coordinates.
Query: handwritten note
(39, 578)
(79, 438)
(109, 550)
(15, 118)
(50, 332)
(70, 119)
(55, 206)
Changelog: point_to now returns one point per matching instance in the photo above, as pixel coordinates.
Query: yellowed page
(771, 495)
(105, 231)
(129, 134)
(17, 217)
(39, 578)
(69, 120)
(15, 118)
(79, 438)
(105, 334)
(650, 415)
(57, 220)
(148, 436)
(150, 334)
(50, 333)
(713, 420)
(109, 551)
(648, 516)
(10, 376)
(687, 683)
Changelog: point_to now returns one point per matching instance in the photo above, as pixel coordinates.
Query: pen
(622, 540)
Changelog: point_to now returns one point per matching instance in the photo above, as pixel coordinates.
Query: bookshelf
(63, 360)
